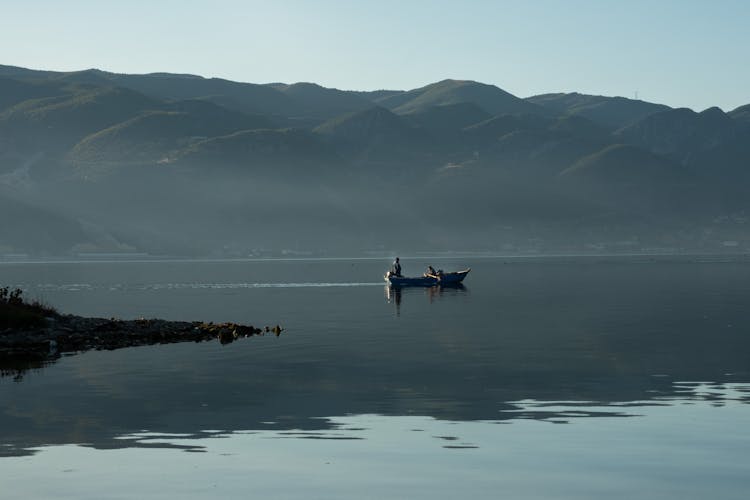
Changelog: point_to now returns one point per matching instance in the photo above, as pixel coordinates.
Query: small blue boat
(439, 279)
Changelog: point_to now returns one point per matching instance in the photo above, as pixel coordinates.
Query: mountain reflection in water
(546, 341)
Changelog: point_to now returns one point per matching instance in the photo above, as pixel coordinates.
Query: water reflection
(418, 457)
(394, 294)
(552, 344)
(16, 367)
(436, 292)
(355, 426)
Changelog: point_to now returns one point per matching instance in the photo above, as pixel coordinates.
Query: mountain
(25, 73)
(498, 126)
(57, 123)
(218, 118)
(316, 104)
(533, 144)
(620, 163)
(297, 104)
(376, 137)
(276, 154)
(13, 91)
(447, 117)
(688, 137)
(181, 164)
(157, 136)
(741, 113)
(28, 228)
(576, 125)
(363, 126)
(376, 95)
(610, 112)
(490, 98)
(85, 77)
(245, 97)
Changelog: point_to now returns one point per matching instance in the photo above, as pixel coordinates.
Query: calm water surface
(541, 378)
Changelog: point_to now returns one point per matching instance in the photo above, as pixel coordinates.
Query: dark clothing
(396, 268)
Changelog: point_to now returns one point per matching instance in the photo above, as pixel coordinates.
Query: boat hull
(406, 281)
(443, 279)
(453, 278)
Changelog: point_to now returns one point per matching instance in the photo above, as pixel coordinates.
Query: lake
(544, 378)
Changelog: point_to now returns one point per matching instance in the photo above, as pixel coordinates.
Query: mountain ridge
(163, 162)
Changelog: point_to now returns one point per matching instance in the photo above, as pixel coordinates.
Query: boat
(439, 279)
(453, 278)
(408, 281)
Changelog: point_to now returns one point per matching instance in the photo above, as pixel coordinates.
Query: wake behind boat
(427, 279)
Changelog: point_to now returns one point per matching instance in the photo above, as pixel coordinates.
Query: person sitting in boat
(430, 271)
(396, 268)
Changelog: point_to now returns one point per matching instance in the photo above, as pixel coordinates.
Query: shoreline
(70, 334)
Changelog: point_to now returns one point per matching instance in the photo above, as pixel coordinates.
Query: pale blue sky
(681, 53)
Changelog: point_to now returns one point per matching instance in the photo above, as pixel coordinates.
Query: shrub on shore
(15, 312)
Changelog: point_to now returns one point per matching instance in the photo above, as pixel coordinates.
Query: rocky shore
(65, 334)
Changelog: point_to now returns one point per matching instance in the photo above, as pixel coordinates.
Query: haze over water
(541, 378)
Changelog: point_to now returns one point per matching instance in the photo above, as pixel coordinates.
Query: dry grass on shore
(15, 312)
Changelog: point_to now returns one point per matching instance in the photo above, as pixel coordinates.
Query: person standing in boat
(396, 268)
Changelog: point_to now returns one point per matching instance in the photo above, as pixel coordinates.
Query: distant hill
(28, 228)
(373, 126)
(741, 113)
(266, 153)
(490, 98)
(376, 137)
(610, 112)
(376, 95)
(219, 118)
(85, 77)
(25, 73)
(56, 123)
(155, 136)
(246, 97)
(362, 126)
(534, 145)
(447, 117)
(498, 126)
(686, 136)
(316, 104)
(299, 103)
(14, 91)
(622, 163)
(630, 182)
(182, 164)
(579, 126)
(243, 97)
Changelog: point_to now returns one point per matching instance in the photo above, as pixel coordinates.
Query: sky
(683, 53)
